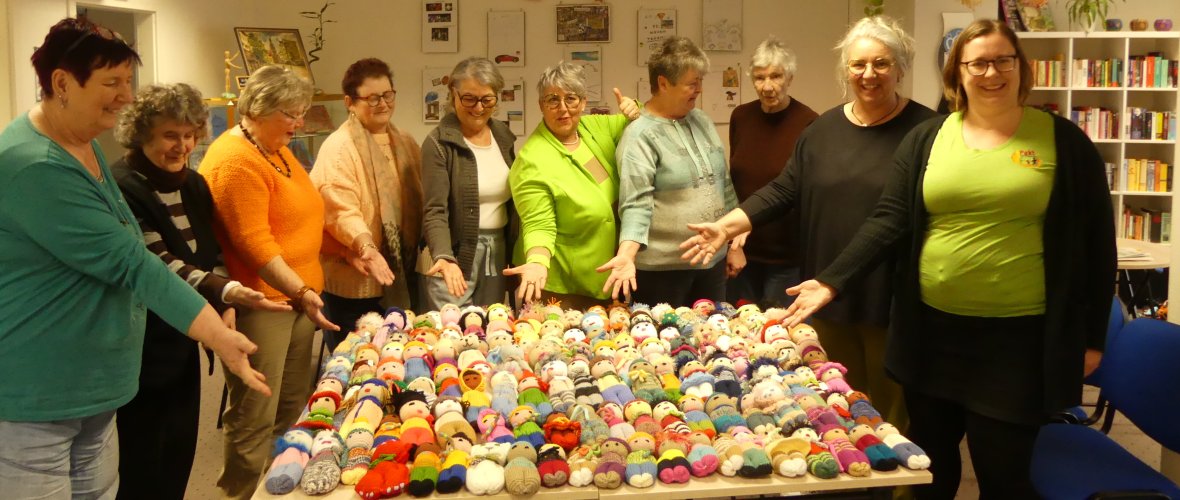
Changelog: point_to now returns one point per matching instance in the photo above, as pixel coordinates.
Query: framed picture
(655, 25)
(281, 46)
(721, 25)
(440, 26)
(585, 23)
(242, 82)
(506, 37)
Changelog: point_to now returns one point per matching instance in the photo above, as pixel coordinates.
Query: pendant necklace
(264, 155)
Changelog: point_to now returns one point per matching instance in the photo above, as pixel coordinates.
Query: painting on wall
(434, 93)
(586, 23)
(722, 90)
(655, 25)
(512, 105)
(722, 25)
(281, 46)
(506, 37)
(589, 57)
(440, 26)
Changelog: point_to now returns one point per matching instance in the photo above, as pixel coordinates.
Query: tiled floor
(202, 483)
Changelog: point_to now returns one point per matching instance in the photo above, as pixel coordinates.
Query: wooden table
(1158, 254)
(712, 486)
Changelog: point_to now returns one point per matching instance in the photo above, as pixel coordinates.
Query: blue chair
(1141, 371)
(1077, 414)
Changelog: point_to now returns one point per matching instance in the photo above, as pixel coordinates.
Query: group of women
(925, 238)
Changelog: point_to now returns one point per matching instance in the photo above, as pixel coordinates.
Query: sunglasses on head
(90, 29)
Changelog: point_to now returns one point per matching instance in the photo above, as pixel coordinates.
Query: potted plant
(1089, 14)
(874, 7)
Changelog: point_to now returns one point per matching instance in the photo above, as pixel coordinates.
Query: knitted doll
(881, 456)
(504, 392)
(417, 359)
(862, 410)
(644, 384)
(291, 453)
(670, 418)
(449, 420)
(452, 472)
(358, 442)
(416, 419)
(585, 387)
(788, 455)
(695, 381)
(425, 470)
(851, 460)
(572, 318)
(820, 461)
(322, 473)
(532, 393)
(728, 380)
(695, 416)
(730, 453)
(832, 373)
(612, 463)
(485, 475)
(639, 414)
(562, 396)
(562, 431)
(673, 466)
(520, 473)
(493, 427)
(473, 386)
(641, 471)
(387, 475)
(524, 427)
(665, 368)
(910, 455)
(582, 462)
(612, 415)
(755, 460)
(552, 466)
(723, 412)
(593, 428)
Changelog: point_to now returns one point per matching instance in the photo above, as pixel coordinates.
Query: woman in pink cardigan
(369, 174)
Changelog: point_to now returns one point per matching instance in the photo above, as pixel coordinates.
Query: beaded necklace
(264, 155)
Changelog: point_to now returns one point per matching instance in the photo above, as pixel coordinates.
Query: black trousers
(1000, 451)
(680, 287)
(158, 435)
(344, 312)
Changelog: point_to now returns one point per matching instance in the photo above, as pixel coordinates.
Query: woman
(1001, 220)
(565, 187)
(369, 174)
(672, 171)
(465, 163)
(270, 222)
(761, 264)
(158, 428)
(835, 176)
(77, 278)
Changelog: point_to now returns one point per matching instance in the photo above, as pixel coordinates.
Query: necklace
(577, 139)
(896, 104)
(264, 155)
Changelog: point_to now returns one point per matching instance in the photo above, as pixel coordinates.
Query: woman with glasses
(369, 174)
(1000, 219)
(465, 163)
(78, 280)
(832, 181)
(565, 187)
(270, 223)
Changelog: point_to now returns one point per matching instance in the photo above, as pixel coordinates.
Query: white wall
(5, 65)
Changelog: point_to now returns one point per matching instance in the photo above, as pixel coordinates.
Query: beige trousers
(252, 421)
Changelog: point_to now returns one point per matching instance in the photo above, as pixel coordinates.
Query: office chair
(1077, 415)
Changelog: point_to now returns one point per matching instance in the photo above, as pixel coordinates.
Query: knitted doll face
(497, 312)
(831, 372)
(521, 415)
(445, 371)
(327, 440)
(641, 441)
(415, 350)
(807, 433)
(447, 405)
(836, 399)
(669, 333)
(499, 338)
(691, 403)
(450, 332)
(528, 382)
(886, 429)
(450, 314)
(555, 368)
(573, 335)
(522, 449)
(592, 323)
(637, 408)
(803, 331)
(428, 336)
(643, 331)
(472, 378)
(391, 369)
(602, 368)
(322, 403)
(664, 409)
(572, 317)
(399, 337)
(368, 353)
(704, 307)
(836, 432)
(330, 384)
(393, 350)
(616, 446)
(412, 409)
(552, 328)
(472, 318)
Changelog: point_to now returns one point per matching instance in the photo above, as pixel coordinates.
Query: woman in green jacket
(566, 187)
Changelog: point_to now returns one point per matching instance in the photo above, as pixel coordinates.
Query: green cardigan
(564, 210)
(77, 282)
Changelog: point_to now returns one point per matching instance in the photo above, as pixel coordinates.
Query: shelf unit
(1069, 46)
(306, 143)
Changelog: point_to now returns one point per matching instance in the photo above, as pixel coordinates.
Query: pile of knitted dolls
(479, 399)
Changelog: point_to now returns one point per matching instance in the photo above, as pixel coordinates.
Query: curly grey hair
(676, 56)
(566, 76)
(179, 102)
(273, 88)
(479, 69)
(883, 29)
(771, 53)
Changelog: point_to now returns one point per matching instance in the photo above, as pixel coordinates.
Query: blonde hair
(272, 88)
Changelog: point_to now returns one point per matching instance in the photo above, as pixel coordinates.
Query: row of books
(1144, 124)
(1138, 174)
(1147, 225)
(1152, 71)
(1096, 122)
(1048, 73)
(1097, 73)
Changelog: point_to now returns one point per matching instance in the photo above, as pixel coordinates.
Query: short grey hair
(676, 56)
(179, 102)
(566, 76)
(883, 29)
(476, 68)
(773, 53)
(273, 88)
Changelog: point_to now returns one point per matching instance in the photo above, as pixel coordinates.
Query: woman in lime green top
(566, 187)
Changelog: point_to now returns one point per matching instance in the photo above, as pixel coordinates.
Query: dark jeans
(158, 436)
(763, 284)
(344, 312)
(680, 287)
(1000, 451)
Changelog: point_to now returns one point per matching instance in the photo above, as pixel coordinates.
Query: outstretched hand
(701, 248)
(451, 275)
(622, 277)
(253, 299)
(532, 280)
(313, 308)
(810, 296)
(371, 263)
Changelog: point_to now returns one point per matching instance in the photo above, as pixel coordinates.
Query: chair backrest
(1114, 324)
(1142, 374)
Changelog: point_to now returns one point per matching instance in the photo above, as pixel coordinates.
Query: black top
(834, 179)
(166, 351)
(1079, 253)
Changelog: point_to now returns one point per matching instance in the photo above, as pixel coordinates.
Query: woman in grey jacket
(465, 164)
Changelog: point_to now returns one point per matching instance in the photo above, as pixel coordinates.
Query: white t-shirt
(493, 184)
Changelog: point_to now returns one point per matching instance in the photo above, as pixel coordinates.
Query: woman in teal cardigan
(566, 187)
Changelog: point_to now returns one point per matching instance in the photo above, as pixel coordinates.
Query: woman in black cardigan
(158, 428)
(1000, 216)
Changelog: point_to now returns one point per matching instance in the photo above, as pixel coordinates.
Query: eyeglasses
(292, 116)
(978, 67)
(879, 66)
(469, 101)
(553, 101)
(375, 99)
(90, 29)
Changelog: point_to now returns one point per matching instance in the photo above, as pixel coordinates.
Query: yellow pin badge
(1026, 158)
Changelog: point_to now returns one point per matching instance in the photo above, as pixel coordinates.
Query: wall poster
(512, 104)
(434, 93)
(722, 90)
(655, 25)
(722, 25)
(440, 26)
(589, 57)
(585, 23)
(506, 37)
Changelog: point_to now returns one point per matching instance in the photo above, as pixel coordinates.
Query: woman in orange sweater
(270, 223)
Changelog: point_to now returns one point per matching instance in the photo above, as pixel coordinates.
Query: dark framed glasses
(469, 101)
(978, 67)
(554, 101)
(374, 100)
(879, 66)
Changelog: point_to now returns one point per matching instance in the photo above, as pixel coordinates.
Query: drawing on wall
(440, 26)
(655, 25)
(506, 37)
(281, 46)
(512, 105)
(434, 93)
(583, 23)
(722, 90)
(722, 25)
(589, 57)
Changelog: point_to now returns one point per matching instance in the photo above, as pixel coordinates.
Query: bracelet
(299, 294)
(369, 245)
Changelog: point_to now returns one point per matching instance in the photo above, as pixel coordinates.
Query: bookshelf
(1120, 87)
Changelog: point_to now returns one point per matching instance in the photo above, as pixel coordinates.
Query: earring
(64, 100)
